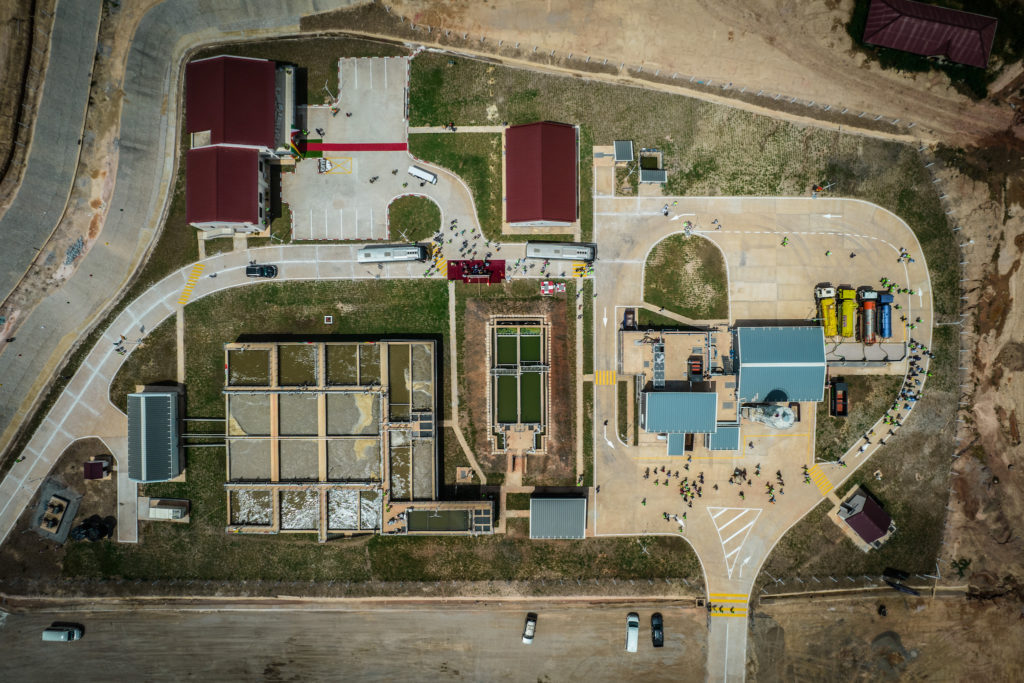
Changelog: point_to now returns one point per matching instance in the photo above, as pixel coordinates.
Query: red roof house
(540, 174)
(233, 99)
(923, 29)
(222, 185)
(866, 517)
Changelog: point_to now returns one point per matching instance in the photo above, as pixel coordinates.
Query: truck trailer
(885, 315)
(847, 311)
(827, 304)
(868, 311)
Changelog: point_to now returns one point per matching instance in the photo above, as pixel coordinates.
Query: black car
(265, 270)
(657, 630)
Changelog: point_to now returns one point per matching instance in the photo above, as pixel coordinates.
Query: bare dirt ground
(796, 48)
(558, 467)
(945, 639)
(24, 51)
(26, 554)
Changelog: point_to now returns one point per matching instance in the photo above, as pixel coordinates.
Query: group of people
(692, 489)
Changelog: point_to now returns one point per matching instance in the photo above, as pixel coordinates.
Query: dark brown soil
(558, 467)
(26, 554)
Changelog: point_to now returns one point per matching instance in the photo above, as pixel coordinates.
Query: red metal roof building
(541, 185)
(866, 517)
(222, 185)
(962, 37)
(233, 99)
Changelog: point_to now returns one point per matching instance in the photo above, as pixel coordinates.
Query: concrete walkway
(766, 281)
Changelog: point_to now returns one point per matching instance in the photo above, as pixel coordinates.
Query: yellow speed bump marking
(605, 378)
(190, 283)
(820, 479)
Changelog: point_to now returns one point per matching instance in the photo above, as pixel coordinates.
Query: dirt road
(465, 642)
(796, 48)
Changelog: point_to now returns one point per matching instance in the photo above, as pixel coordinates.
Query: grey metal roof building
(781, 364)
(727, 438)
(154, 453)
(653, 175)
(558, 517)
(680, 411)
(623, 151)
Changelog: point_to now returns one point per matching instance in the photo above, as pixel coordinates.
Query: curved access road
(836, 240)
(146, 151)
(56, 140)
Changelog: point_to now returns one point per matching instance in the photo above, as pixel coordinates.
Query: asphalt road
(145, 151)
(464, 642)
(52, 158)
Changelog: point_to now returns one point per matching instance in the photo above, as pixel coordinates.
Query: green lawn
(155, 362)
(686, 275)
(588, 326)
(517, 501)
(870, 397)
(371, 308)
(622, 398)
(588, 434)
(474, 157)
(708, 149)
(413, 219)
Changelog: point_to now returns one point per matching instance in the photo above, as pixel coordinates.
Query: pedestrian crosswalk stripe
(605, 378)
(190, 283)
(820, 479)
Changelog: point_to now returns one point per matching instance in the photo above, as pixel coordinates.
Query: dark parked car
(657, 630)
(265, 270)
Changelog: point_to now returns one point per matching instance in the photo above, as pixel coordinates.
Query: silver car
(530, 629)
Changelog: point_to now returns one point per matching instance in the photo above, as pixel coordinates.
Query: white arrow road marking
(606, 439)
(831, 215)
(606, 316)
(680, 215)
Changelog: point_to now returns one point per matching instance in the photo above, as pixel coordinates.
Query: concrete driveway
(767, 282)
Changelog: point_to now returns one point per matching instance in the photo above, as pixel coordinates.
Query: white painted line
(355, 70)
(728, 555)
(371, 75)
(738, 533)
(341, 224)
(385, 75)
(717, 514)
(721, 527)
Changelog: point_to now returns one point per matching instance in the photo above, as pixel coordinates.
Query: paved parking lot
(466, 641)
(364, 140)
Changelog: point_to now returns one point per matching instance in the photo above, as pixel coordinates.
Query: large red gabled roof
(923, 29)
(233, 98)
(540, 173)
(222, 185)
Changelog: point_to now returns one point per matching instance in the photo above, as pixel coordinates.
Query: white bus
(382, 253)
(426, 176)
(560, 250)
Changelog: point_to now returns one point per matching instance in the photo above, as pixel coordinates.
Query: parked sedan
(530, 629)
(657, 630)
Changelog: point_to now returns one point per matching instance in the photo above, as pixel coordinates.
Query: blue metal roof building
(727, 438)
(781, 364)
(666, 412)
